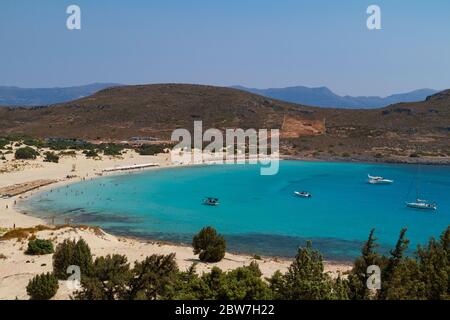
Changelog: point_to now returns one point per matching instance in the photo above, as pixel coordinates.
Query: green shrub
(34, 142)
(3, 143)
(151, 277)
(209, 245)
(39, 246)
(72, 253)
(152, 149)
(305, 278)
(243, 283)
(112, 150)
(107, 280)
(42, 287)
(90, 153)
(51, 157)
(148, 280)
(26, 153)
(73, 144)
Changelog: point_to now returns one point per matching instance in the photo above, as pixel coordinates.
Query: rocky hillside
(156, 110)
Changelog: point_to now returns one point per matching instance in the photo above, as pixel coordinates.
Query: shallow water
(260, 214)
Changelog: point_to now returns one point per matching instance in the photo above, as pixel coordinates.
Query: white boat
(422, 204)
(303, 194)
(379, 180)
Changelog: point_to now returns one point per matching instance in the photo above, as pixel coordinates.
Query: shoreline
(67, 182)
(28, 220)
(17, 268)
(164, 166)
(426, 162)
(233, 252)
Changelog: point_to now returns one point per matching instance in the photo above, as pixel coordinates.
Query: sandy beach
(16, 268)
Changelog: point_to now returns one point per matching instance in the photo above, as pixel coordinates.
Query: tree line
(426, 275)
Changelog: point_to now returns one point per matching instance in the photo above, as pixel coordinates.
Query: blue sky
(256, 43)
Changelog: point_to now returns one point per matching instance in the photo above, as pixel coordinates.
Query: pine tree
(357, 279)
(305, 279)
(434, 262)
(108, 280)
(151, 277)
(209, 245)
(70, 253)
(188, 286)
(42, 287)
(400, 273)
(243, 283)
(340, 289)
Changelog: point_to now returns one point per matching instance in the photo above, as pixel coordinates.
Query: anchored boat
(303, 194)
(419, 203)
(209, 201)
(379, 180)
(422, 204)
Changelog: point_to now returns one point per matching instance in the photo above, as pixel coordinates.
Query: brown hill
(156, 110)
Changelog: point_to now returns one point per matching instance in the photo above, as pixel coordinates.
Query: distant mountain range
(25, 97)
(324, 97)
(320, 97)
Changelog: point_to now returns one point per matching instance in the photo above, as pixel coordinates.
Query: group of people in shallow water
(58, 190)
(7, 206)
(74, 193)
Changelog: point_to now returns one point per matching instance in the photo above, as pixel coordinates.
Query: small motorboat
(379, 180)
(303, 194)
(422, 204)
(211, 201)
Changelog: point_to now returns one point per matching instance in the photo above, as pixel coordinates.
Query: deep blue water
(260, 214)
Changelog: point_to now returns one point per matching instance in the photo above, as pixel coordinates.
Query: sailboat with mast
(420, 203)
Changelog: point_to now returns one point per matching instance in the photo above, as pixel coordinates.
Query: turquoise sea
(259, 214)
